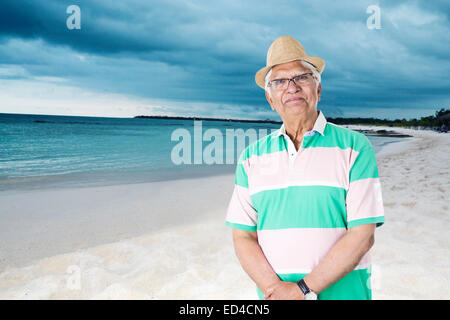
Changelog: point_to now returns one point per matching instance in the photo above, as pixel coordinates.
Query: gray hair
(316, 75)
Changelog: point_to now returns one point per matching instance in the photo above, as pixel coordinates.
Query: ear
(269, 99)
(319, 91)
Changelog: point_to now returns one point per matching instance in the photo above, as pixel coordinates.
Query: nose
(292, 87)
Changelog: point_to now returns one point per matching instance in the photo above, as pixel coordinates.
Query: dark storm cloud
(209, 51)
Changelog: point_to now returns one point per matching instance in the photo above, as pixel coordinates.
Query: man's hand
(284, 290)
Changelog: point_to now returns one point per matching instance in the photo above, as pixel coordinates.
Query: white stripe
(253, 191)
(287, 271)
(307, 271)
(364, 218)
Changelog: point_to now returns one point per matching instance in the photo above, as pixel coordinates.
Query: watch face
(311, 296)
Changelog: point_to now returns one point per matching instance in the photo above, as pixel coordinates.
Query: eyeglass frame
(269, 84)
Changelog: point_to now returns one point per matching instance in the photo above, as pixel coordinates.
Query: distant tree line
(440, 121)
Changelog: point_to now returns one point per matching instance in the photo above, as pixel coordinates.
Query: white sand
(44, 223)
(194, 259)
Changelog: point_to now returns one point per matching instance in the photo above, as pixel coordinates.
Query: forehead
(288, 69)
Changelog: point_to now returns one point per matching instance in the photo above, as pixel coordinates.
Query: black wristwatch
(309, 294)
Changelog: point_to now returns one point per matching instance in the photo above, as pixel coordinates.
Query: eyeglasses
(283, 84)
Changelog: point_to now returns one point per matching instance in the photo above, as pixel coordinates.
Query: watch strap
(303, 287)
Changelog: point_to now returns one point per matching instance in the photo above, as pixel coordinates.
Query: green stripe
(340, 137)
(378, 220)
(265, 145)
(354, 286)
(334, 136)
(365, 165)
(240, 226)
(300, 207)
(241, 178)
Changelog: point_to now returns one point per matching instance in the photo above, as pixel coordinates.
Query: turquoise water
(40, 150)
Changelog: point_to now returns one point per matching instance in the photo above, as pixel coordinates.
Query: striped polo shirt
(302, 202)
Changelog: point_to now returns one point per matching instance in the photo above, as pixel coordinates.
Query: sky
(199, 58)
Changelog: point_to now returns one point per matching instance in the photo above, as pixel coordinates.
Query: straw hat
(286, 49)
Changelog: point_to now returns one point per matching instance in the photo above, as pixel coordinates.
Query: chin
(297, 107)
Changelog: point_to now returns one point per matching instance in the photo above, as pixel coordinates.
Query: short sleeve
(364, 201)
(240, 213)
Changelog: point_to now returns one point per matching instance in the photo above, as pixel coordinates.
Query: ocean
(46, 151)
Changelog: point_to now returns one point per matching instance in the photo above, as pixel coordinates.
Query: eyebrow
(280, 77)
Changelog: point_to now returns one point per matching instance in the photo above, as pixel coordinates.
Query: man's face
(295, 100)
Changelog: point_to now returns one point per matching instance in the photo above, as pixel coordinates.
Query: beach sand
(168, 240)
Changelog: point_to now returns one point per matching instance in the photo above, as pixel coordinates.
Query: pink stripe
(325, 166)
(246, 165)
(300, 250)
(364, 199)
(353, 156)
(240, 209)
(268, 169)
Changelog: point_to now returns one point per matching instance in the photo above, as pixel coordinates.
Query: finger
(268, 293)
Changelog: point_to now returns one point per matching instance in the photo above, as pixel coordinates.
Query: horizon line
(195, 117)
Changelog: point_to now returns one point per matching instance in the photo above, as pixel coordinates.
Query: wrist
(268, 289)
(300, 292)
(311, 284)
(308, 293)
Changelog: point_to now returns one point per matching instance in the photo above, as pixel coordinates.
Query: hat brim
(315, 61)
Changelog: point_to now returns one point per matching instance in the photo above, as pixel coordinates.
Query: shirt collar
(319, 126)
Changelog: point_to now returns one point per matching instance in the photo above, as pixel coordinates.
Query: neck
(296, 128)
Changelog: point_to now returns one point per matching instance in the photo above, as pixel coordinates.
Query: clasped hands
(284, 290)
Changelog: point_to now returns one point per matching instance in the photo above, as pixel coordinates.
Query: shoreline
(193, 258)
(409, 138)
(102, 179)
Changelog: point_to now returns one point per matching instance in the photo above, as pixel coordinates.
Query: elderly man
(307, 197)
